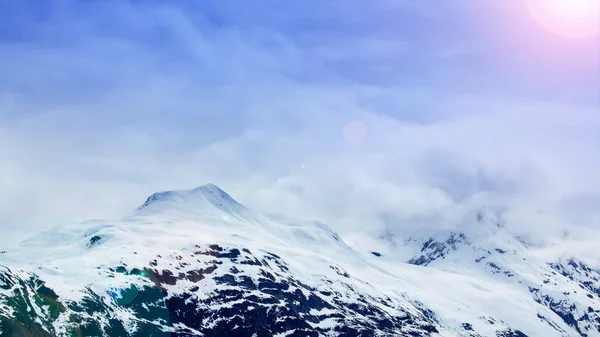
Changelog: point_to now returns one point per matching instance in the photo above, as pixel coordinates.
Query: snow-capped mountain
(198, 263)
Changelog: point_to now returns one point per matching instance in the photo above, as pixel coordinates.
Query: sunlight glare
(568, 18)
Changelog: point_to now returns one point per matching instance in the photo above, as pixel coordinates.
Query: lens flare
(568, 18)
(355, 132)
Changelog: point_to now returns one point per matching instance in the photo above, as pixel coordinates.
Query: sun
(568, 18)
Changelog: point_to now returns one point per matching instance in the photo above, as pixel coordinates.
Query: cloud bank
(104, 103)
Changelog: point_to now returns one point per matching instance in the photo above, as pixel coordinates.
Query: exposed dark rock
(433, 250)
(240, 305)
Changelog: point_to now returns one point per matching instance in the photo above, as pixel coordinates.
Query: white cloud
(90, 129)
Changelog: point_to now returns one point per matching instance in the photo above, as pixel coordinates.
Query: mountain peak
(209, 194)
(210, 188)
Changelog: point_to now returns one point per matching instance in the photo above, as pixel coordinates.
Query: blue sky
(467, 104)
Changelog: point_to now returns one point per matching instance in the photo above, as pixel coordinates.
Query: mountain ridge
(195, 262)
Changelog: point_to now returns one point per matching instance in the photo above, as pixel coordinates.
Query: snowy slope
(566, 290)
(198, 263)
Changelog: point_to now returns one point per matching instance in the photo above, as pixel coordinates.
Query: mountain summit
(202, 196)
(198, 199)
(197, 263)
